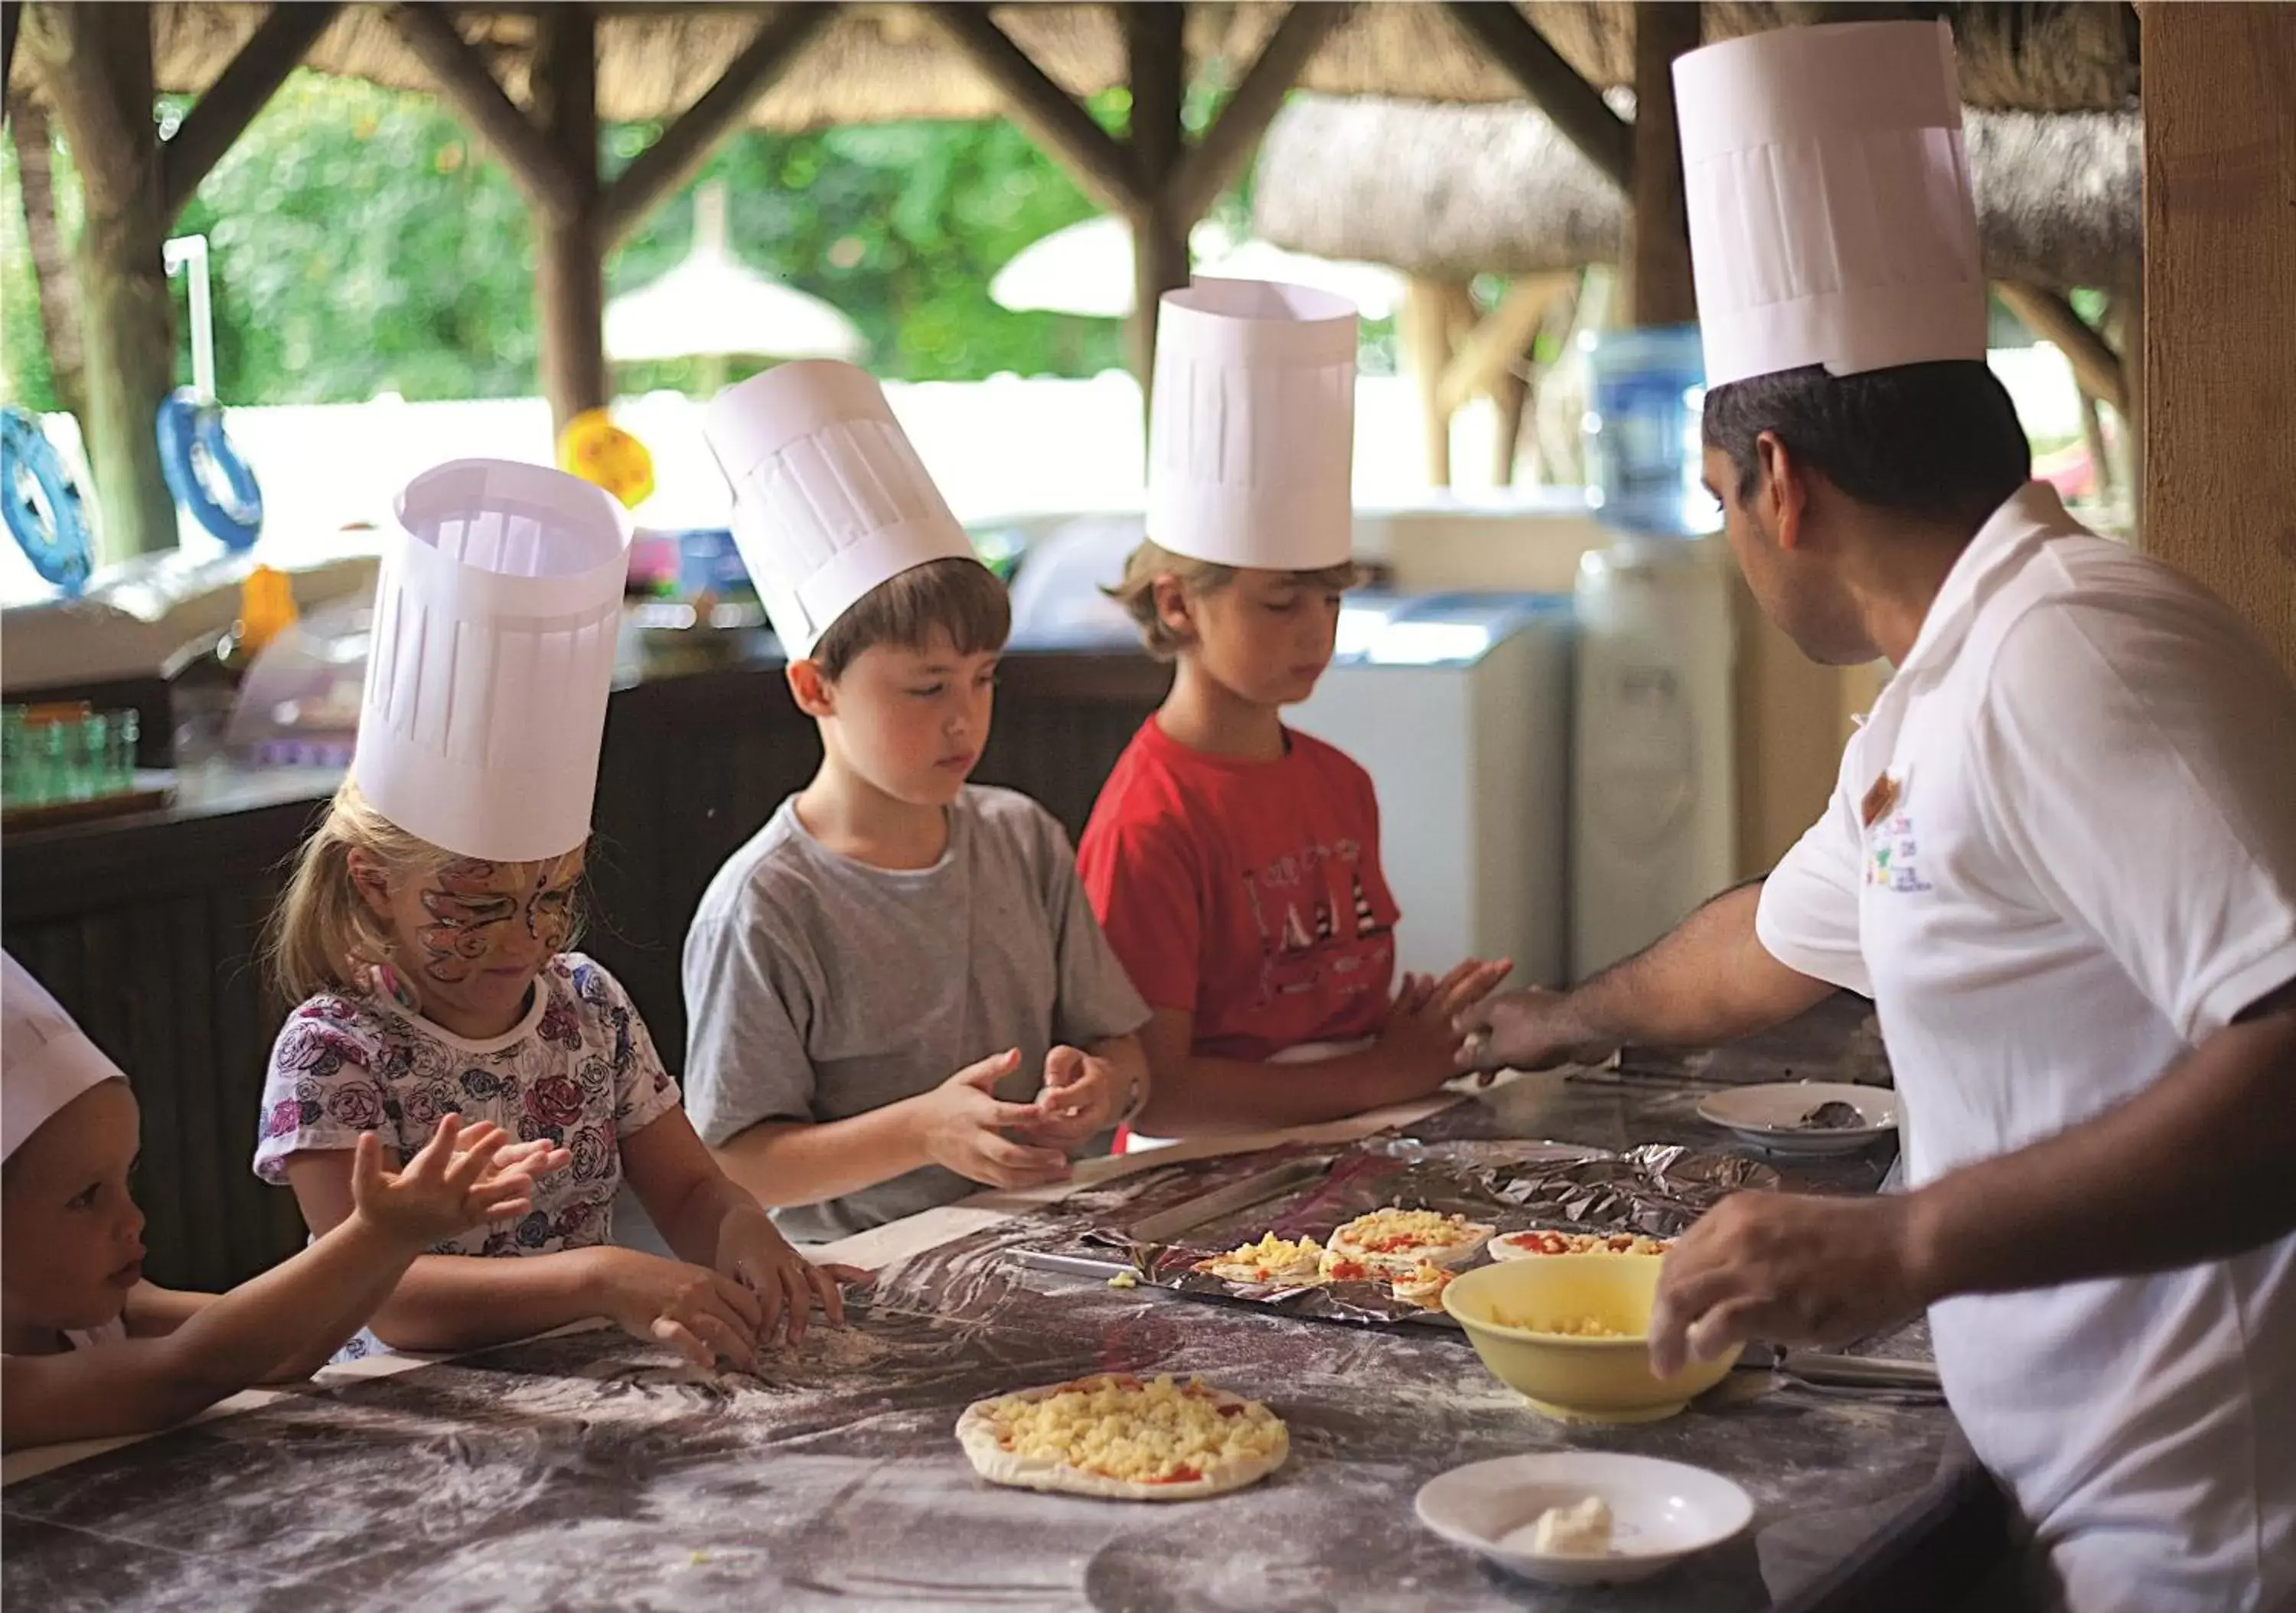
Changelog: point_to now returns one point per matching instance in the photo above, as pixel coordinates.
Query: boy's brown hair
(1137, 592)
(961, 598)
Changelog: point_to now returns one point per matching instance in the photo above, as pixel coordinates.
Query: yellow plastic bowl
(1576, 1379)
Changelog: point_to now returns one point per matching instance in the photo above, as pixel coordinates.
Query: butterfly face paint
(494, 918)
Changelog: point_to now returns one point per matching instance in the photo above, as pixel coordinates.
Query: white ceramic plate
(1765, 1115)
(1661, 1512)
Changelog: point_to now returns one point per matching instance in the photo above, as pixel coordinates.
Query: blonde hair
(322, 932)
(1151, 560)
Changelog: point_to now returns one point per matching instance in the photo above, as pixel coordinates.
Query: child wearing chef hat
(896, 990)
(425, 932)
(1235, 862)
(93, 1350)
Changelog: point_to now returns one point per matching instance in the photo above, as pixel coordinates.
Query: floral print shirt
(578, 1069)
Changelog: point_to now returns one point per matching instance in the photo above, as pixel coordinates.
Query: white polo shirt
(2082, 864)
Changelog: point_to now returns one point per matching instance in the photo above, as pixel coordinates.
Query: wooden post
(2100, 460)
(570, 258)
(1155, 46)
(2219, 332)
(1659, 291)
(95, 68)
(1575, 107)
(2052, 318)
(1425, 329)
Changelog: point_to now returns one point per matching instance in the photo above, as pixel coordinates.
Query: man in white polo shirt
(2061, 857)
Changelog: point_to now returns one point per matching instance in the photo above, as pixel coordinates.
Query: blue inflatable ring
(41, 503)
(193, 454)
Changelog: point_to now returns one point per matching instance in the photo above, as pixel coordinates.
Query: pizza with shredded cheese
(1400, 1239)
(1271, 1259)
(1125, 1439)
(1523, 1246)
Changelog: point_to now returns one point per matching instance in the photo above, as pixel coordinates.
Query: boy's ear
(815, 695)
(1173, 611)
(366, 878)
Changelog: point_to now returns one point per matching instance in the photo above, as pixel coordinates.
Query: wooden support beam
(1213, 165)
(2100, 458)
(2049, 317)
(1155, 49)
(12, 21)
(240, 91)
(1049, 114)
(1660, 287)
(569, 275)
(1576, 108)
(95, 63)
(2124, 324)
(2219, 382)
(681, 149)
(536, 164)
(1479, 361)
(1432, 311)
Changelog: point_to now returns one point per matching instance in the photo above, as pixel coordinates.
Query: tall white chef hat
(1831, 217)
(495, 620)
(1251, 431)
(45, 1059)
(830, 499)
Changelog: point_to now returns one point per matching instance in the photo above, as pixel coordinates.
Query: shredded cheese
(1564, 1327)
(1266, 1261)
(1423, 1284)
(1155, 1432)
(1391, 1231)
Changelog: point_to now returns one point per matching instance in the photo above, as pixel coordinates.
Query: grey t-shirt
(818, 987)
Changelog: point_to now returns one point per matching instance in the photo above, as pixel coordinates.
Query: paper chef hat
(45, 1061)
(1251, 432)
(495, 620)
(1831, 217)
(830, 499)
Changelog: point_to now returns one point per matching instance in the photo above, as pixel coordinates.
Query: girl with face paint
(433, 985)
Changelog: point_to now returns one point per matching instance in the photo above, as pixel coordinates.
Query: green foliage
(362, 241)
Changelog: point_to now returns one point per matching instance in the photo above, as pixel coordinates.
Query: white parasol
(711, 306)
(1087, 269)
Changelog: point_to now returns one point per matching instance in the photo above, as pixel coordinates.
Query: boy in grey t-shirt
(898, 989)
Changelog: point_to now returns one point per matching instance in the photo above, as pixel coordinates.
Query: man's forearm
(1708, 980)
(2195, 1168)
(789, 1162)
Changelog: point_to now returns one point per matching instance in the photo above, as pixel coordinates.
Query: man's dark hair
(1937, 442)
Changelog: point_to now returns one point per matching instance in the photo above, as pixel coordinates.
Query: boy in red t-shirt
(1234, 863)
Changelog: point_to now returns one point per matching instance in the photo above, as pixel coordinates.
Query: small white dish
(1767, 1116)
(1660, 1511)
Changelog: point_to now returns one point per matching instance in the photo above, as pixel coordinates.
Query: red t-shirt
(1248, 893)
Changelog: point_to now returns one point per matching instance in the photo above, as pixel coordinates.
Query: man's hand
(1791, 1269)
(963, 1124)
(1533, 1028)
(1082, 1097)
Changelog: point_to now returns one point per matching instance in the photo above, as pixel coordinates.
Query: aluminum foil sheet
(1657, 1189)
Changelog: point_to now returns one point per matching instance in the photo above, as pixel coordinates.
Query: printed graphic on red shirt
(1312, 913)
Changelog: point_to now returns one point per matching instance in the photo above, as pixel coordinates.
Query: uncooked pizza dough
(1400, 1239)
(1124, 1438)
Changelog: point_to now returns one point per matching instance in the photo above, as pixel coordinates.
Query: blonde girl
(432, 984)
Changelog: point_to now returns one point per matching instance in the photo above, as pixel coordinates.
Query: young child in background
(1234, 862)
(890, 924)
(91, 1348)
(424, 929)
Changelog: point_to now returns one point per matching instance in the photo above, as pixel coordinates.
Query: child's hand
(963, 1124)
(705, 1315)
(752, 1249)
(1082, 1097)
(455, 1182)
(1420, 1034)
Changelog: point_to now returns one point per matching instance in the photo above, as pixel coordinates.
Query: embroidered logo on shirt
(1893, 854)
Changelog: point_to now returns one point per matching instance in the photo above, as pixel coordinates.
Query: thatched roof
(1456, 191)
(886, 61)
